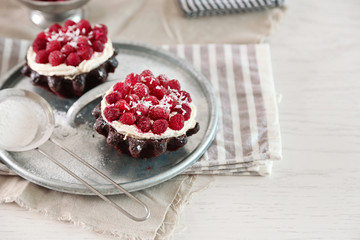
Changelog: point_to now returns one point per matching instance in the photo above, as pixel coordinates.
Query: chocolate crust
(139, 148)
(69, 88)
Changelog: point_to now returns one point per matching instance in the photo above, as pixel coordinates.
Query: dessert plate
(74, 130)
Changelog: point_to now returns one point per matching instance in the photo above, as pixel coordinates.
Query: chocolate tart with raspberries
(145, 116)
(71, 59)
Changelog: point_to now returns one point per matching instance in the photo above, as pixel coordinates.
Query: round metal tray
(74, 129)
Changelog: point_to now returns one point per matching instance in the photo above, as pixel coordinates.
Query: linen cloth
(165, 202)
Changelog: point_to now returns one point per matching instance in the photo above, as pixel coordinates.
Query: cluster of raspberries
(148, 102)
(70, 44)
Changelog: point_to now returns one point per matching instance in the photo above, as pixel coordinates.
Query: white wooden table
(314, 192)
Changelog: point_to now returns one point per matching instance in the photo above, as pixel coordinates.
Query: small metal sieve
(43, 134)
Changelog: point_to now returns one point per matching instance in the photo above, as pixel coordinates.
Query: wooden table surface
(314, 192)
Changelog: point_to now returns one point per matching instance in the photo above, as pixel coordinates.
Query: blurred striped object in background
(199, 8)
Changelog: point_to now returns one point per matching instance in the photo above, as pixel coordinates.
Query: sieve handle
(147, 212)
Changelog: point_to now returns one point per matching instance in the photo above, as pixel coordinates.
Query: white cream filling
(70, 72)
(133, 131)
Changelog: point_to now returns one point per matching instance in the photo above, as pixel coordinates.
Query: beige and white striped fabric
(248, 137)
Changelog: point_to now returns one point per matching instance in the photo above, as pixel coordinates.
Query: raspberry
(53, 46)
(144, 124)
(98, 46)
(39, 44)
(146, 73)
(83, 42)
(54, 28)
(41, 35)
(69, 23)
(100, 36)
(173, 84)
(113, 97)
(151, 82)
(153, 100)
(101, 28)
(122, 87)
(158, 112)
(42, 56)
(128, 118)
(185, 110)
(158, 92)
(132, 98)
(111, 113)
(141, 110)
(159, 126)
(67, 49)
(163, 79)
(73, 60)
(84, 26)
(141, 90)
(176, 122)
(132, 79)
(122, 105)
(56, 58)
(185, 96)
(86, 53)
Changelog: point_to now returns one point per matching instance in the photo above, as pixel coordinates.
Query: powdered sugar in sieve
(18, 124)
(26, 120)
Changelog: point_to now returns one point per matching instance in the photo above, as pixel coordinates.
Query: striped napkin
(248, 137)
(199, 8)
